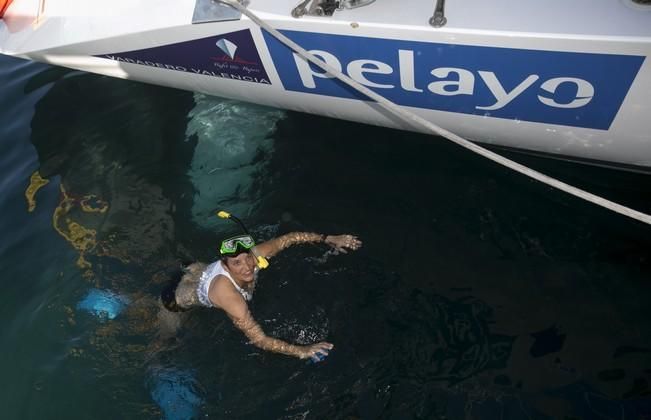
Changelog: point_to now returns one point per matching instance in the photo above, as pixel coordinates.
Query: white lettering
(250, 69)
(357, 68)
(406, 65)
(503, 97)
(584, 92)
(306, 73)
(450, 81)
(465, 85)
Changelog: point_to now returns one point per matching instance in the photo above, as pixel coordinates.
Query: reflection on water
(228, 165)
(36, 182)
(175, 392)
(103, 304)
(107, 150)
(467, 300)
(450, 340)
(113, 197)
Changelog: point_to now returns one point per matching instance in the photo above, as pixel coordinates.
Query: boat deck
(579, 17)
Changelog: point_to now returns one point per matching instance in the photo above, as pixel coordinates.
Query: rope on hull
(418, 121)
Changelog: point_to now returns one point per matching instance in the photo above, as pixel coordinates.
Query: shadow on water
(478, 294)
(115, 148)
(118, 153)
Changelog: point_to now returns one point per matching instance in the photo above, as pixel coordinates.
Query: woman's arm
(274, 246)
(254, 333)
(237, 309)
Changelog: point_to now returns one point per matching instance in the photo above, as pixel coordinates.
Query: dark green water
(477, 295)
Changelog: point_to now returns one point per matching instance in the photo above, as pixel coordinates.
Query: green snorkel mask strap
(231, 244)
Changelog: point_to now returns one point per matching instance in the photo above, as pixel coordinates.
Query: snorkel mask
(238, 244)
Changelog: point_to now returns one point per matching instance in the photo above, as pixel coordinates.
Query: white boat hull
(572, 95)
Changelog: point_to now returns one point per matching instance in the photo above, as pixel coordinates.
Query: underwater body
(478, 293)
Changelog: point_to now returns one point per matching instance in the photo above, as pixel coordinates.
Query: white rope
(418, 121)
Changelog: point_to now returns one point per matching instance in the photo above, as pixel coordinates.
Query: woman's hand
(317, 352)
(343, 242)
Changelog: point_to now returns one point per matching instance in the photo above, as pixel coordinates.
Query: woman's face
(242, 267)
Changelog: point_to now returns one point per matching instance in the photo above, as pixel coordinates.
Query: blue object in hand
(318, 357)
(103, 304)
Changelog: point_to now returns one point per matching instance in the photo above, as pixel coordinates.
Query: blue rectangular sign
(565, 88)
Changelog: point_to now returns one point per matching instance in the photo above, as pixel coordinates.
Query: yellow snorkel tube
(259, 259)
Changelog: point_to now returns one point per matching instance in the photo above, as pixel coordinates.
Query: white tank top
(213, 270)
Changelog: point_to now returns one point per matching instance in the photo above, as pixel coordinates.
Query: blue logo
(572, 89)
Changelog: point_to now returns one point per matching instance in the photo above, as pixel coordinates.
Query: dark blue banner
(229, 56)
(573, 89)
